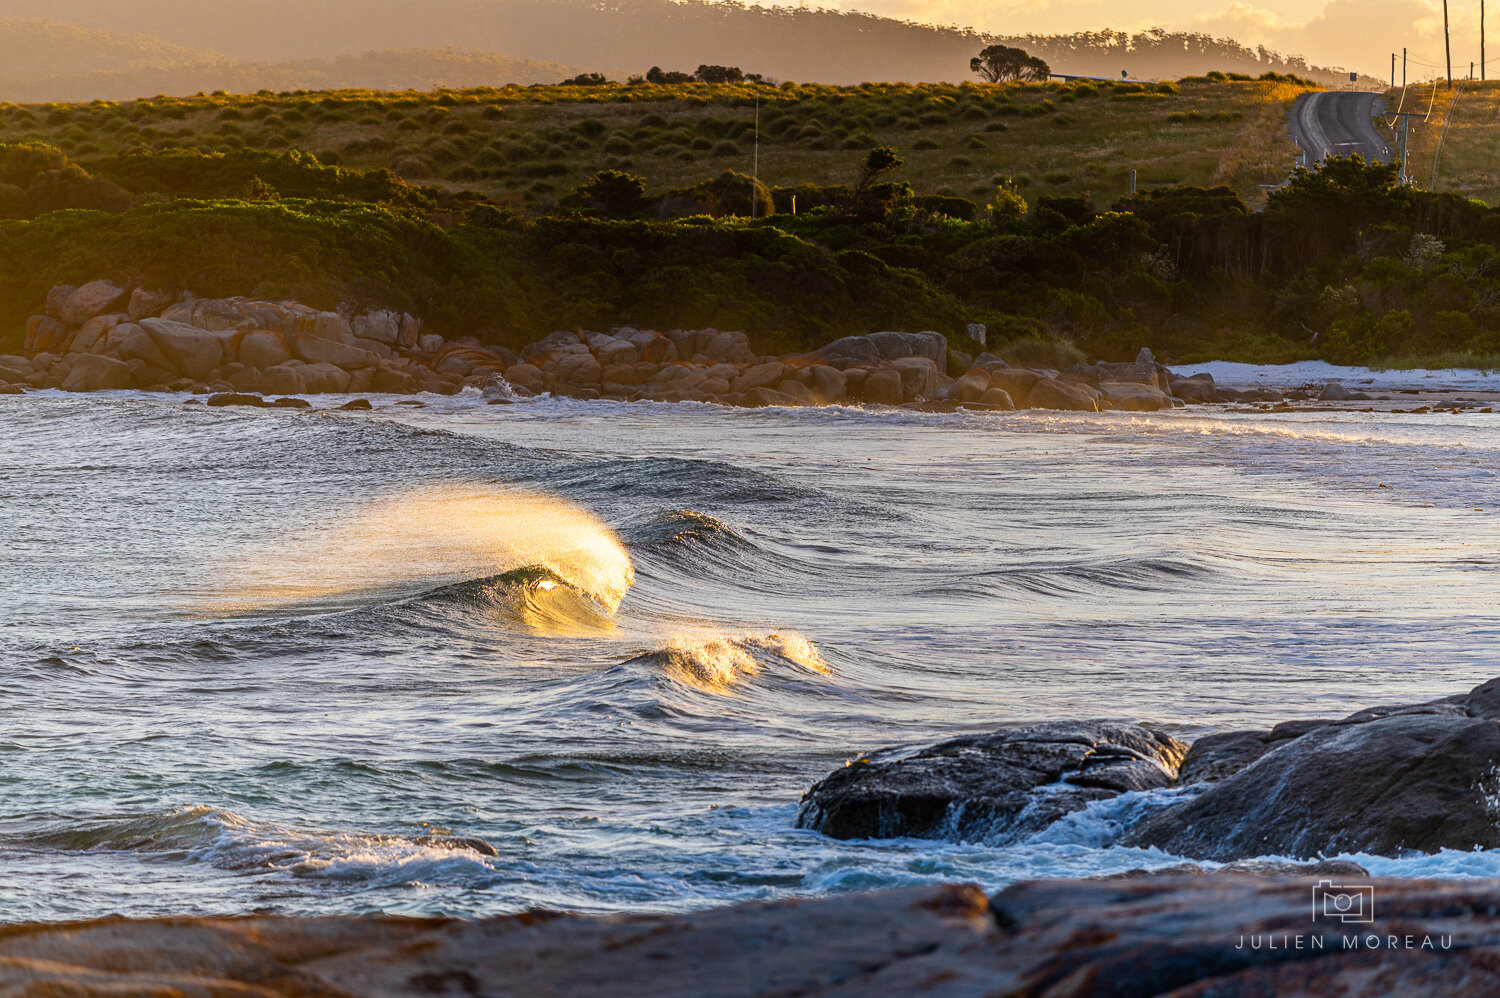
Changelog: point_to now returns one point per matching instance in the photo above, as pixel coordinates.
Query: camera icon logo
(1342, 903)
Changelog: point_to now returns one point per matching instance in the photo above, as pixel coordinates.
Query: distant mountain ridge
(117, 51)
(134, 73)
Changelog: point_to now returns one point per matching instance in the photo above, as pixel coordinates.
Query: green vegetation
(529, 146)
(1342, 263)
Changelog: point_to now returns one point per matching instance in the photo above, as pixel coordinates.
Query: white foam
(1318, 372)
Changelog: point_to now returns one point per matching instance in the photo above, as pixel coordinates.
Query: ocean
(470, 659)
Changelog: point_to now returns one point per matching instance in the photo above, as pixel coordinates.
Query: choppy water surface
(470, 659)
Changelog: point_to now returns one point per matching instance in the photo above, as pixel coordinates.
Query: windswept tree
(880, 161)
(1001, 64)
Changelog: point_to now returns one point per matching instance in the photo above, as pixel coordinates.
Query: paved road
(1337, 123)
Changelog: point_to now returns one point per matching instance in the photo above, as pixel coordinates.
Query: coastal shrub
(1042, 351)
(612, 193)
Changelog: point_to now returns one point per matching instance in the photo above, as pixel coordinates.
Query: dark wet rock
(1214, 757)
(456, 842)
(1387, 780)
(234, 398)
(997, 786)
(290, 403)
(357, 405)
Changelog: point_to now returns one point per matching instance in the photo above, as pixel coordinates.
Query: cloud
(1357, 34)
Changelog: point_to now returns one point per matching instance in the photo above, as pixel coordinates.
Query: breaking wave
(718, 664)
(437, 536)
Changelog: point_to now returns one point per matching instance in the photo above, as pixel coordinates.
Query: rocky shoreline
(1170, 934)
(1415, 778)
(101, 336)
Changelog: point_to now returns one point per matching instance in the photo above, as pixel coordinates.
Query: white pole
(755, 163)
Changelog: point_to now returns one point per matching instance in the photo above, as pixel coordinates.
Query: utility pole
(755, 163)
(1447, 45)
(1406, 117)
(1481, 39)
(1393, 71)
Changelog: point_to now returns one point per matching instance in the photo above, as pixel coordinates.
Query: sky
(1355, 35)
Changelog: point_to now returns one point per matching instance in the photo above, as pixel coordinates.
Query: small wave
(686, 527)
(227, 841)
(684, 546)
(1078, 579)
(176, 831)
(717, 665)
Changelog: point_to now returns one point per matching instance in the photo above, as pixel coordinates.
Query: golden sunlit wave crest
(431, 537)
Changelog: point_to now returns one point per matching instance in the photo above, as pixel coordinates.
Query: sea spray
(420, 539)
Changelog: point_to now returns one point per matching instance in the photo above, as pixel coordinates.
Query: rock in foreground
(1164, 935)
(998, 787)
(893, 943)
(1386, 781)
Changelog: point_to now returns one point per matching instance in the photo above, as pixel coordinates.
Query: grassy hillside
(526, 146)
(1457, 148)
